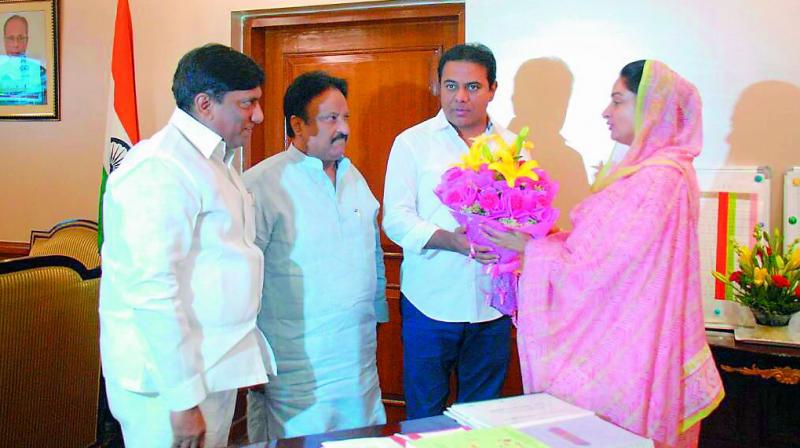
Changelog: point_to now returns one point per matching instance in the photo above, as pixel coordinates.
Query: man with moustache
(181, 272)
(324, 284)
(447, 324)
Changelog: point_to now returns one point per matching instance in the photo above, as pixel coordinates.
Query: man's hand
(188, 428)
(456, 241)
(511, 239)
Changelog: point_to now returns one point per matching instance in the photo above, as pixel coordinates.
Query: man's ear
(296, 123)
(492, 90)
(202, 106)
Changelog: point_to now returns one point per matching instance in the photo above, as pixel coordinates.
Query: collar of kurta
(314, 163)
(200, 136)
(440, 123)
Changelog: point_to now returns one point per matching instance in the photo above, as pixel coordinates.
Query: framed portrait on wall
(29, 60)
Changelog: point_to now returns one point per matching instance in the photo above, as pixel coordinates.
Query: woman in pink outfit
(610, 315)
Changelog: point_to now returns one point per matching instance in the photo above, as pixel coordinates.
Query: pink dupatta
(610, 315)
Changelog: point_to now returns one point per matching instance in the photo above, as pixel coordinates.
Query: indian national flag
(122, 127)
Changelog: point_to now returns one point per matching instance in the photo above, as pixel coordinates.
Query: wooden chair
(76, 238)
(50, 370)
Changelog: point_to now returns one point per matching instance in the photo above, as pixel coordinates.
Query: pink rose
(489, 200)
(484, 177)
(514, 203)
(452, 174)
(456, 198)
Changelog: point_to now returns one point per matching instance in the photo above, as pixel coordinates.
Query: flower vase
(769, 318)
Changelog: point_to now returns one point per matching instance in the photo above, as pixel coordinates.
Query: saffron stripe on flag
(122, 125)
(123, 72)
(722, 243)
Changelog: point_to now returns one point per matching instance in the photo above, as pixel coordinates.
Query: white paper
(519, 411)
(367, 442)
(590, 430)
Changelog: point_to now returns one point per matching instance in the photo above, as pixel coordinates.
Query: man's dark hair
(15, 17)
(473, 52)
(303, 90)
(216, 70)
(631, 74)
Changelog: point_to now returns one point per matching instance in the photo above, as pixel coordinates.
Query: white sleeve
(155, 214)
(401, 220)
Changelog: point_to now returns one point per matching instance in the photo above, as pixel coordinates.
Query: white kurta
(443, 285)
(324, 291)
(180, 289)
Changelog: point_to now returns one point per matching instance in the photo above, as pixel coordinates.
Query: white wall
(723, 46)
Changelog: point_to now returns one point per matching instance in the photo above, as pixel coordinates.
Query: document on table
(517, 412)
(367, 442)
(503, 437)
(588, 431)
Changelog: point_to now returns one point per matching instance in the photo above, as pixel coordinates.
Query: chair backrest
(50, 369)
(76, 238)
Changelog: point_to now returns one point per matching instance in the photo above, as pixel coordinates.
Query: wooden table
(761, 408)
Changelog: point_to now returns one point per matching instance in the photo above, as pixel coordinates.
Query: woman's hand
(512, 239)
(456, 241)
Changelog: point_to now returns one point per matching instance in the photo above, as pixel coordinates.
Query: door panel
(370, 57)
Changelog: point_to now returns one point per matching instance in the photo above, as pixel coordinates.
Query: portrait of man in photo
(23, 78)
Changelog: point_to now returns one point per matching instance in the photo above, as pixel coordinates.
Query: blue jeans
(479, 353)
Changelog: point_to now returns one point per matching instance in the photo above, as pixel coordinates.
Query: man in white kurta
(181, 279)
(324, 284)
(448, 325)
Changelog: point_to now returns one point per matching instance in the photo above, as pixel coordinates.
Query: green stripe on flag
(731, 232)
(100, 210)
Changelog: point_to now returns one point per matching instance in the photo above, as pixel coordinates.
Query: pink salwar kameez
(610, 314)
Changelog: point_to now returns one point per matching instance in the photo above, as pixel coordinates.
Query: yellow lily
(480, 140)
(760, 276)
(526, 170)
(779, 263)
(504, 160)
(745, 257)
(794, 260)
(507, 166)
(527, 145)
(720, 277)
(510, 168)
(502, 146)
(473, 159)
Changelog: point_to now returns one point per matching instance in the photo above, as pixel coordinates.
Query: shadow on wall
(542, 89)
(765, 130)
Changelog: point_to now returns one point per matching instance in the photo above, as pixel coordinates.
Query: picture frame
(29, 71)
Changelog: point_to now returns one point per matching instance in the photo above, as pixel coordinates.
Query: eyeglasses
(18, 39)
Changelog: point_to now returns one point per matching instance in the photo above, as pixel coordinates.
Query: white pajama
(145, 418)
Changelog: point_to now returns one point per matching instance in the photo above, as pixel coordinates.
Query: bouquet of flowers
(498, 189)
(768, 280)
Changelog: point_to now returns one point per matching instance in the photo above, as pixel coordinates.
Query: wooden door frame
(244, 23)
